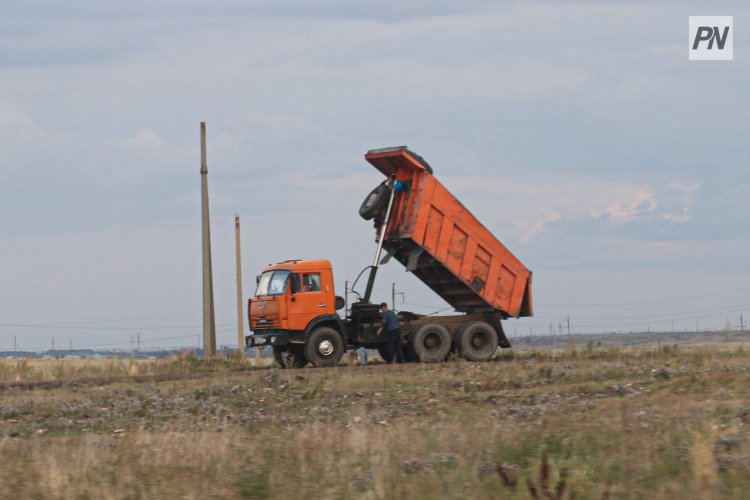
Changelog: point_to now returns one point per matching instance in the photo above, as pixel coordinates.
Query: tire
(430, 343)
(409, 355)
(289, 357)
(324, 347)
(374, 202)
(339, 302)
(476, 341)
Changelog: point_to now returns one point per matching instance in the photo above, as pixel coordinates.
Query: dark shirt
(390, 321)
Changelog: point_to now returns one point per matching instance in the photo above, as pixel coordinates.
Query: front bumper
(265, 339)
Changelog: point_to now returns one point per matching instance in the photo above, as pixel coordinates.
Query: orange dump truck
(423, 226)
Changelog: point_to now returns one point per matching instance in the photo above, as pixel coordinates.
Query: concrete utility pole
(240, 315)
(209, 320)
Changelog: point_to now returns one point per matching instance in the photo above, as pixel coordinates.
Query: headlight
(273, 339)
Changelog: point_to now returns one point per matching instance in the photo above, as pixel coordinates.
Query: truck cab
(293, 299)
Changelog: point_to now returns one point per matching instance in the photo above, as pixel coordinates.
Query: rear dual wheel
(476, 341)
(430, 343)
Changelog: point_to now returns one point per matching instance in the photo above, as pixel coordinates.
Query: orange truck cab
(430, 232)
(293, 299)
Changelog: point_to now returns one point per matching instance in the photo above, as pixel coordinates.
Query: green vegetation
(589, 423)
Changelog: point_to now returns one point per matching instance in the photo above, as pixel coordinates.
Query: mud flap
(388, 256)
(494, 321)
(414, 259)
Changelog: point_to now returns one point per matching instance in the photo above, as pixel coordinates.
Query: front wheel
(324, 347)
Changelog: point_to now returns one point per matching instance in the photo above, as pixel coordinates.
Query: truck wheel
(476, 341)
(430, 342)
(376, 200)
(289, 357)
(409, 356)
(324, 347)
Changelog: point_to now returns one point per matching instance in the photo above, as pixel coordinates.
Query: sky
(580, 134)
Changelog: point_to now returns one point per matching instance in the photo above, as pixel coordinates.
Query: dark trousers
(395, 351)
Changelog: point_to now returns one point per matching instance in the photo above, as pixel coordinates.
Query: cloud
(629, 202)
(578, 133)
(16, 125)
(677, 218)
(528, 207)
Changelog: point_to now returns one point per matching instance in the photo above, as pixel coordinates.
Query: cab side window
(294, 283)
(310, 282)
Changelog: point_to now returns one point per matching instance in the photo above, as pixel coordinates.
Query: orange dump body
(444, 245)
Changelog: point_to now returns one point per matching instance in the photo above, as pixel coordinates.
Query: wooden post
(209, 320)
(240, 315)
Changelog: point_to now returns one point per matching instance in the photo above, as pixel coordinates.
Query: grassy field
(588, 423)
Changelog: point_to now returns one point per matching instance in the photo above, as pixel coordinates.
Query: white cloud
(529, 207)
(677, 218)
(628, 202)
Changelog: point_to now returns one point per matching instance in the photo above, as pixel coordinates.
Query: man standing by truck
(392, 329)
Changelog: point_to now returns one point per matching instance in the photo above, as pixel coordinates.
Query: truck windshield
(272, 283)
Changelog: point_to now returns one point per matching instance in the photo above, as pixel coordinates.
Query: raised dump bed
(439, 240)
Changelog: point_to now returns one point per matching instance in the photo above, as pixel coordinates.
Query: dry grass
(65, 370)
(611, 423)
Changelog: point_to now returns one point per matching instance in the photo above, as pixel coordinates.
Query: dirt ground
(585, 423)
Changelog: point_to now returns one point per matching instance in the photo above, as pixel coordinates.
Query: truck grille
(265, 324)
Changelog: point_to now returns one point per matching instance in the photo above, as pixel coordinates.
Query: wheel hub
(325, 347)
(477, 340)
(432, 342)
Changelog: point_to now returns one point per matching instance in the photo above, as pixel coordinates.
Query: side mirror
(257, 279)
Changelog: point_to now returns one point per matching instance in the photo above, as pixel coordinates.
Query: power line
(677, 315)
(613, 304)
(126, 328)
(93, 320)
(717, 294)
(111, 344)
(645, 323)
